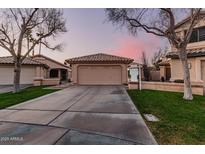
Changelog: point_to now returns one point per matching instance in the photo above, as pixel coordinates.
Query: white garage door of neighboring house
(100, 75)
(7, 73)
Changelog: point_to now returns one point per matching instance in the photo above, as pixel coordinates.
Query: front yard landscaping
(181, 121)
(9, 99)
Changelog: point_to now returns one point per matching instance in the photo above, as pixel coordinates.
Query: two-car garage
(99, 69)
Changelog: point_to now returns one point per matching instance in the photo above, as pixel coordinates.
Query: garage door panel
(27, 75)
(99, 75)
(7, 75)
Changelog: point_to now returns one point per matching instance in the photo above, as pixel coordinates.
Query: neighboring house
(29, 70)
(56, 69)
(37, 70)
(99, 69)
(195, 50)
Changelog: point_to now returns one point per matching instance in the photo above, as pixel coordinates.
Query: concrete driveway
(76, 115)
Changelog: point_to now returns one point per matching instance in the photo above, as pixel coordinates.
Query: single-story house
(35, 70)
(29, 70)
(55, 69)
(99, 69)
(195, 54)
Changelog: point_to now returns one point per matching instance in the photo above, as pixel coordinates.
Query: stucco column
(198, 69)
(59, 73)
(38, 71)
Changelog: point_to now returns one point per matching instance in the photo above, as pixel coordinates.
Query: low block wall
(197, 88)
(46, 82)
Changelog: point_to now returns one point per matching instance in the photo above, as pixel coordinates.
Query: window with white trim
(197, 35)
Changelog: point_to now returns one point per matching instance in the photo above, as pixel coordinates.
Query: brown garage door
(99, 75)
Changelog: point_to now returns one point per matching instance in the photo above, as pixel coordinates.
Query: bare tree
(23, 29)
(160, 22)
(156, 59)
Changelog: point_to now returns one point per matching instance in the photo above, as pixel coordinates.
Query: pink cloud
(132, 47)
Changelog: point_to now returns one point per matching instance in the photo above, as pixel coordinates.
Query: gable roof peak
(50, 59)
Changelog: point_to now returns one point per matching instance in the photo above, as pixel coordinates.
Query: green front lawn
(181, 122)
(9, 99)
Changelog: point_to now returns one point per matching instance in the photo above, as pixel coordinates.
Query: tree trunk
(187, 83)
(17, 73)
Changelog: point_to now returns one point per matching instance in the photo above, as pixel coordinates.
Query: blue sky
(89, 32)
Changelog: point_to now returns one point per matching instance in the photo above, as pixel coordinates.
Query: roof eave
(51, 60)
(190, 55)
(99, 62)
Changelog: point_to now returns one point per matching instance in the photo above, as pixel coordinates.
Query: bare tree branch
(148, 29)
(192, 24)
(16, 18)
(31, 16)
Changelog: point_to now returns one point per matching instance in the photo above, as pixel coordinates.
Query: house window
(202, 34)
(194, 36)
(197, 35)
(53, 73)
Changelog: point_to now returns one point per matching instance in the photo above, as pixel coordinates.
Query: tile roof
(42, 56)
(99, 58)
(26, 61)
(190, 53)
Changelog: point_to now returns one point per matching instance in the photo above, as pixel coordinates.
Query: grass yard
(9, 99)
(181, 122)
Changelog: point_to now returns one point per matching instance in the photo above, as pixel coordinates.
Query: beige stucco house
(56, 70)
(30, 70)
(99, 69)
(37, 70)
(196, 54)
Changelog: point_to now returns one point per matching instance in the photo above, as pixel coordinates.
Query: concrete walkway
(76, 115)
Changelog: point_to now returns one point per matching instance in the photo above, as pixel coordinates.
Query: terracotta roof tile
(99, 58)
(35, 57)
(27, 61)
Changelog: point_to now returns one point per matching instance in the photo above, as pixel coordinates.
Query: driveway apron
(76, 115)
